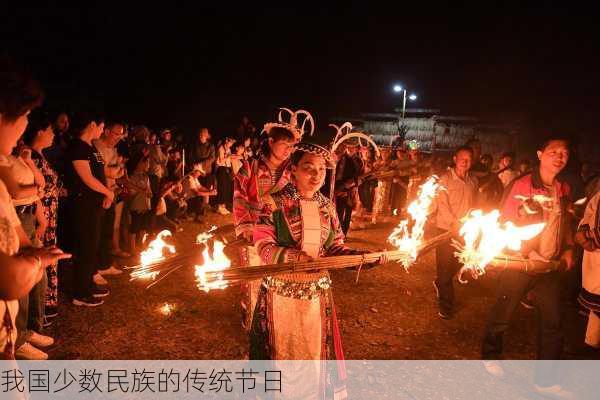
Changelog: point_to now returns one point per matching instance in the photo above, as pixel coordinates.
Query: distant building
(436, 132)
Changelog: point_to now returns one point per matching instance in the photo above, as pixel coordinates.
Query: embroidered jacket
(278, 234)
(252, 183)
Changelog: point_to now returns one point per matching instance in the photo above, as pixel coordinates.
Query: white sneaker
(99, 280)
(110, 271)
(40, 340)
(554, 392)
(494, 368)
(28, 352)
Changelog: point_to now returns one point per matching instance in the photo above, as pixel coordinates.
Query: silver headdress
(293, 122)
(344, 133)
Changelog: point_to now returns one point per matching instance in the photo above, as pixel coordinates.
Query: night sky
(181, 66)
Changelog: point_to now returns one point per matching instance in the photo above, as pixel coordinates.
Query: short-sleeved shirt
(80, 150)
(110, 156)
(22, 174)
(190, 185)
(224, 159)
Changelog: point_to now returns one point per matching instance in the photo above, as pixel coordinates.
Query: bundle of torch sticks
(232, 275)
(162, 267)
(505, 261)
(238, 274)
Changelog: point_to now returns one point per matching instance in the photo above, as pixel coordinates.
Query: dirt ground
(388, 314)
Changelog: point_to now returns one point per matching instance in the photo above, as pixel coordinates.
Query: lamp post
(412, 97)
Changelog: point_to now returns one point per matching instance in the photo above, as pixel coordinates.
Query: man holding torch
(547, 200)
(452, 204)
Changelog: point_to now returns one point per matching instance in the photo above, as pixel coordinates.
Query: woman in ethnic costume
(295, 317)
(256, 179)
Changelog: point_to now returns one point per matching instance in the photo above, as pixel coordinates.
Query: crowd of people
(86, 192)
(91, 192)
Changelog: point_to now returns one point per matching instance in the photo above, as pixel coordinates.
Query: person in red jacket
(521, 206)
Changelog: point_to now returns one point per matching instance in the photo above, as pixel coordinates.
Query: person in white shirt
(451, 205)
(114, 171)
(588, 237)
(197, 196)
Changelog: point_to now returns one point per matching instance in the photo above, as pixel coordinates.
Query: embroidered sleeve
(267, 244)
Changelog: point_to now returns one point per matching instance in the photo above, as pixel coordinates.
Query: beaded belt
(307, 290)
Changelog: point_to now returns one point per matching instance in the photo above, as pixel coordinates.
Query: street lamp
(412, 97)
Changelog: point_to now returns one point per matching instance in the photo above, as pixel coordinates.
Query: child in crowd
(140, 200)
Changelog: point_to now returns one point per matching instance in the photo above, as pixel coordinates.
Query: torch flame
(418, 210)
(485, 239)
(218, 262)
(205, 236)
(153, 254)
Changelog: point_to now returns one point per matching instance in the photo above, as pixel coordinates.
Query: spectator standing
(224, 175)
(39, 137)
(89, 197)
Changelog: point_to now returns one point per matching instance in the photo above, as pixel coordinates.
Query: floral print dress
(49, 200)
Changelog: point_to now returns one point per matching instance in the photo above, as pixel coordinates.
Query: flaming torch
(410, 242)
(155, 253)
(154, 262)
(214, 266)
(485, 240)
